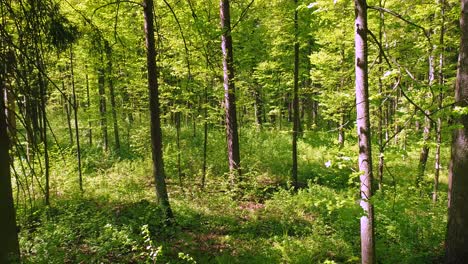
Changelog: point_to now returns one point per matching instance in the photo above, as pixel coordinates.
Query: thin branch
(187, 53)
(395, 14)
(380, 47)
(116, 2)
(244, 12)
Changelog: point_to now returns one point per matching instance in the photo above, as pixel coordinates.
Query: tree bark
(427, 126)
(424, 151)
(88, 106)
(66, 107)
(439, 102)
(457, 231)
(156, 133)
(77, 131)
(295, 99)
(380, 110)
(363, 131)
(102, 107)
(229, 92)
(9, 246)
(110, 81)
(205, 134)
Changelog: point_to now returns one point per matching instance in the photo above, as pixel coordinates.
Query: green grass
(116, 219)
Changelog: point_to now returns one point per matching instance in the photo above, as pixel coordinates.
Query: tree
(229, 91)
(9, 247)
(295, 99)
(363, 131)
(156, 133)
(457, 231)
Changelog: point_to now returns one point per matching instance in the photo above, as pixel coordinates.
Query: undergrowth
(116, 219)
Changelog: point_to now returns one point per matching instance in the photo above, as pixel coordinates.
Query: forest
(234, 131)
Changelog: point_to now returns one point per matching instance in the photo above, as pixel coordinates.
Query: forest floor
(116, 219)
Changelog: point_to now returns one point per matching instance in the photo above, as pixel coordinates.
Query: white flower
(328, 164)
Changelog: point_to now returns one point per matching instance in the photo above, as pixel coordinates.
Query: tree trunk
(380, 110)
(205, 135)
(457, 231)
(439, 102)
(427, 126)
(341, 132)
(66, 107)
(424, 151)
(295, 99)
(178, 116)
(9, 246)
(229, 92)
(75, 110)
(156, 133)
(102, 107)
(88, 106)
(258, 105)
(110, 81)
(363, 131)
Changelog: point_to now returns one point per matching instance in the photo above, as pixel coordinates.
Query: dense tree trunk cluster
(77, 79)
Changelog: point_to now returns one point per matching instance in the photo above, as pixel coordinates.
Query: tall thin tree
(295, 98)
(156, 133)
(75, 111)
(363, 131)
(229, 91)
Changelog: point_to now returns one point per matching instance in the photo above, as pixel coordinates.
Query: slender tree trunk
(439, 102)
(229, 92)
(364, 134)
(205, 136)
(424, 151)
(178, 116)
(77, 131)
(295, 99)
(427, 128)
(88, 106)
(258, 105)
(102, 106)
(10, 113)
(380, 110)
(66, 106)
(341, 132)
(457, 231)
(156, 133)
(110, 81)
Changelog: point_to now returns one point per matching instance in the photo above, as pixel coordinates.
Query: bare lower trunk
(424, 152)
(88, 106)
(110, 81)
(66, 107)
(439, 103)
(363, 131)
(295, 100)
(205, 136)
(258, 107)
(9, 246)
(229, 92)
(102, 108)
(156, 133)
(341, 132)
(75, 108)
(179, 165)
(457, 233)
(380, 110)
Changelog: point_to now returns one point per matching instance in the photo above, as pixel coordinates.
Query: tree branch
(244, 12)
(395, 14)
